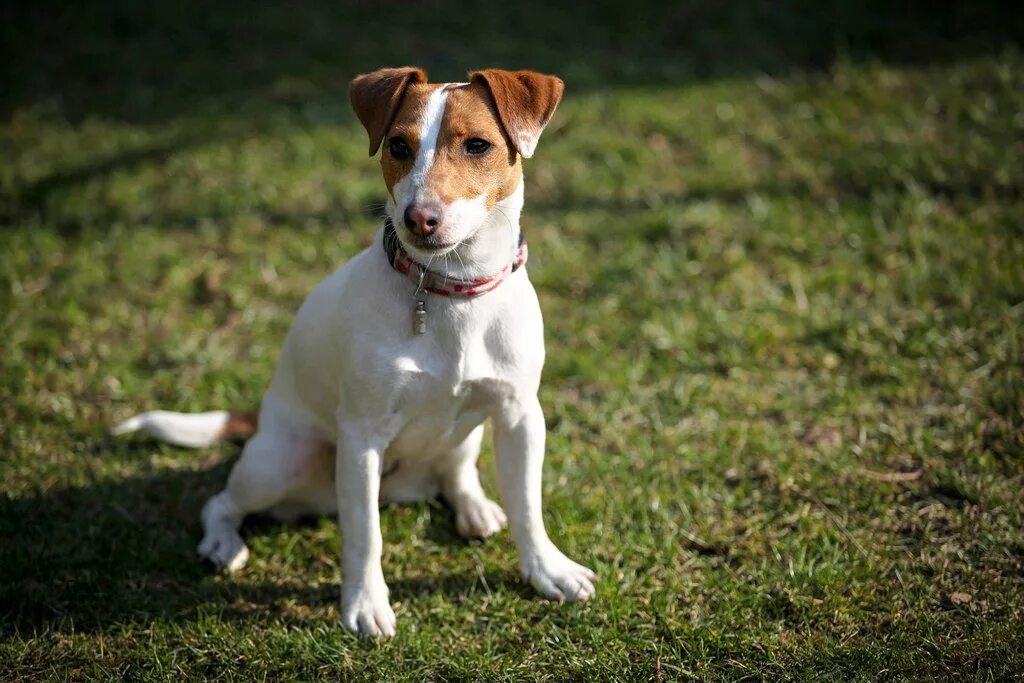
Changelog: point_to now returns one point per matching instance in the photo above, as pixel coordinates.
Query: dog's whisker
(465, 268)
(508, 222)
(374, 209)
(445, 281)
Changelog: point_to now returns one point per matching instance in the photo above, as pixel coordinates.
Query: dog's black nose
(423, 219)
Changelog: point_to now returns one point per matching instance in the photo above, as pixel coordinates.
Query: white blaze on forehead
(430, 128)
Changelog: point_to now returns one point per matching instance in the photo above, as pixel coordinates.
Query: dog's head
(451, 152)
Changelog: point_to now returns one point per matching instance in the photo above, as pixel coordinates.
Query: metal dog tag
(419, 317)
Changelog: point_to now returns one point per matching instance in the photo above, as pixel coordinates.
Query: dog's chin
(425, 248)
(424, 251)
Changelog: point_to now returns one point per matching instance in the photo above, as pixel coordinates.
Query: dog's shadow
(121, 550)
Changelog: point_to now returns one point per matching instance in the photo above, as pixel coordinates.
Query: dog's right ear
(375, 98)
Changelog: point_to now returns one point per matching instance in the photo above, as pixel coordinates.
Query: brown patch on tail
(239, 427)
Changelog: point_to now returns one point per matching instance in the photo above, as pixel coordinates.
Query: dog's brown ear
(375, 98)
(525, 101)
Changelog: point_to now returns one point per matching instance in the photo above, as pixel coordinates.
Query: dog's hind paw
(224, 548)
(221, 543)
(478, 517)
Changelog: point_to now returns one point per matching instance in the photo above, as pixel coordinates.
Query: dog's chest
(440, 410)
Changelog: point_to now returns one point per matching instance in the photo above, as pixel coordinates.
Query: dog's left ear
(375, 98)
(525, 101)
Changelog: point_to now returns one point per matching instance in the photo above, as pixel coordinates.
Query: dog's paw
(557, 577)
(365, 610)
(479, 517)
(224, 548)
(221, 543)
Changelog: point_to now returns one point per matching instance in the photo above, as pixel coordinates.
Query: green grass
(780, 251)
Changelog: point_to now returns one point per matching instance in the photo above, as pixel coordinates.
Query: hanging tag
(419, 317)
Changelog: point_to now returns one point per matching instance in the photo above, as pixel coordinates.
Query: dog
(395, 362)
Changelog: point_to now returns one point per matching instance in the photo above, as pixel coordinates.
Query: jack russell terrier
(395, 361)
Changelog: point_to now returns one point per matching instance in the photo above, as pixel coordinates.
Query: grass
(781, 258)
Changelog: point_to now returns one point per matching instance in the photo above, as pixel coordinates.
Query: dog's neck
(488, 250)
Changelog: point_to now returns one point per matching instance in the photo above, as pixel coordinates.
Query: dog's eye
(399, 148)
(477, 147)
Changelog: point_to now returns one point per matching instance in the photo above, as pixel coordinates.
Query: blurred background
(779, 250)
(149, 65)
(164, 78)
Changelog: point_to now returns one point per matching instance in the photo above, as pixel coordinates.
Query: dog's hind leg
(275, 466)
(476, 515)
(409, 482)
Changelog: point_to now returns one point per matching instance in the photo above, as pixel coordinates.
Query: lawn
(780, 252)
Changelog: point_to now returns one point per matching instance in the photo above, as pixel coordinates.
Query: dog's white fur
(356, 395)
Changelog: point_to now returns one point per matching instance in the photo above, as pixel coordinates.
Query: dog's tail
(192, 430)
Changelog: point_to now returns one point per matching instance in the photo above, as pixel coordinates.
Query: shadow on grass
(95, 557)
(32, 199)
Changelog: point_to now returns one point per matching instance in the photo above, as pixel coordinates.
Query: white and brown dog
(394, 362)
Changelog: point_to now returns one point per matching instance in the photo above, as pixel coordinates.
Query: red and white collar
(439, 283)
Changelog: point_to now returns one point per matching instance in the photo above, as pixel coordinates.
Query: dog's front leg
(365, 609)
(519, 433)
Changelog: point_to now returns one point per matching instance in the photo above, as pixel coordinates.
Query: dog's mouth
(429, 247)
(432, 247)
